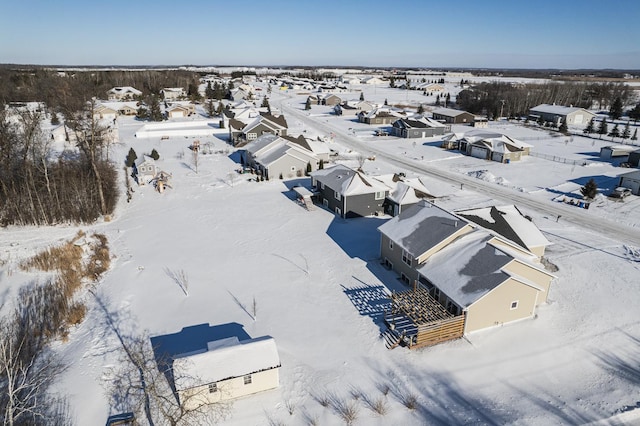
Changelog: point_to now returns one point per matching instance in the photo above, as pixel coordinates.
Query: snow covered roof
(449, 112)
(225, 359)
(468, 268)
(557, 109)
(495, 141)
(418, 121)
(347, 181)
(421, 227)
(124, 90)
(260, 142)
(509, 222)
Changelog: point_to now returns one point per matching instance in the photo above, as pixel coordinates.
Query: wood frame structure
(416, 320)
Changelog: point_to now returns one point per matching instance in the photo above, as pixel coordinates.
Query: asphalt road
(576, 216)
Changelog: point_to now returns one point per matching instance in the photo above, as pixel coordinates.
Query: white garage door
(578, 118)
(177, 114)
(478, 152)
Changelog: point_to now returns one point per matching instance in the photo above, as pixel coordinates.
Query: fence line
(563, 160)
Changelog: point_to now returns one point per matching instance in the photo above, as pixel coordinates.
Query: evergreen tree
(143, 113)
(626, 132)
(321, 165)
(603, 128)
(131, 158)
(563, 126)
(590, 189)
(392, 82)
(447, 99)
(590, 127)
(220, 108)
(615, 132)
(211, 109)
(308, 169)
(615, 111)
(265, 103)
(307, 105)
(192, 92)
(421, 109)
(386, 102)
(361, 96)
(154, 154)
(54, 119)
(635, 135)
(208, 92)
(634, 114)
(438, 100)
(540, 121)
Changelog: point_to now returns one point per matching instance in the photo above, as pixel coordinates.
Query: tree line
(37, 188)
(515, 99)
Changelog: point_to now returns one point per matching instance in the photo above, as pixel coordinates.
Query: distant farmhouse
(173, 93)
(556, 114)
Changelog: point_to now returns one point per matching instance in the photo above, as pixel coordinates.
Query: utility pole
(502, 109)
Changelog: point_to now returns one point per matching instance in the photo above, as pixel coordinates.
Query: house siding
(229, 389)
(533, 275)
(494, 308)
(395, 257)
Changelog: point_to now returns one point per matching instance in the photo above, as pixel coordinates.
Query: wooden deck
(421, 321)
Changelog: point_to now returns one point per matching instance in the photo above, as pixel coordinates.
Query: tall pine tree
(590, 127)
(603, 128)
(615, 111)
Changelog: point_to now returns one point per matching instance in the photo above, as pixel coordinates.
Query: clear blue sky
(454, 33)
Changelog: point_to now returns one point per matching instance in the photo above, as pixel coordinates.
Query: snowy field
(320, 289)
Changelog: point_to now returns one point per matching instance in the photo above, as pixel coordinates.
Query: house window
(388, 264)
(380, 195)
(514, 305)
(337, 195)
(338, 211)
(404, 278)
(247, 379)
(213, 387)
(407, 258)
(321, 185)
(325, 202)
(390, 245)
(436, 293)
(293, 169)
(251, 136)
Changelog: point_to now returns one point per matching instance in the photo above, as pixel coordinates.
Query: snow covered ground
(320, 289)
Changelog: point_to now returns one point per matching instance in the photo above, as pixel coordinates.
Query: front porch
(416, 320)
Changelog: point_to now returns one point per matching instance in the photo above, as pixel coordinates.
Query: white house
(145, 169)
(229, 368)
(173, 93)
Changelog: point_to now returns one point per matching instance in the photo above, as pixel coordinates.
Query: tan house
(102, 112)
(465, 278)
(487, 278)
(228, 369)
(181, 110)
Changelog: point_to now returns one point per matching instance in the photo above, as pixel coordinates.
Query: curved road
(580, 217)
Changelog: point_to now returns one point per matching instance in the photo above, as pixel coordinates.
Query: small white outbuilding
(228, 369)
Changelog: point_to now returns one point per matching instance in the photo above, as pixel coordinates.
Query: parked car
(621, 192)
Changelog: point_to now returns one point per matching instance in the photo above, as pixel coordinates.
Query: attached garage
(479, 152)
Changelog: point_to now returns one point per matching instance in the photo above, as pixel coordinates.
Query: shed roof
(225, 359)
(449, 112)
(347, 181)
